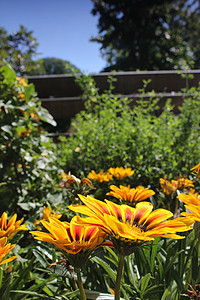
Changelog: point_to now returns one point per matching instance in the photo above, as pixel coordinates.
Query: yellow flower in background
(130, 195)
(182, 183)
(9, 228)
(69, 179)
(196, 169)
(100, 177)
(71, 238)
(130, 227)
(21, 81)
(167, 187)
(5, 249)
(22, 96)
(86, 182)
(120, 172)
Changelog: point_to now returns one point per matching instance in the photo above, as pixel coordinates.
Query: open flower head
(192, 202)
(130, 227)
(9, 228)
(74, 240)
(130, 195)
(196, 169)
(5, 249)
(121, 173)
(100, 177)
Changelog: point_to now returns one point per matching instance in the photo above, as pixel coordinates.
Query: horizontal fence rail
(62, 96)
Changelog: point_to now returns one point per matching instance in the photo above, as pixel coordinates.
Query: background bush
(110, 133)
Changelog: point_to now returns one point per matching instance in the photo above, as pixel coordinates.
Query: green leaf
(45, 116)
(165, 295)
(144, 283)
(40, 258)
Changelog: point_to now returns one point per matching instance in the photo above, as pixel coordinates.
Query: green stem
(80, 285)
(119, 276)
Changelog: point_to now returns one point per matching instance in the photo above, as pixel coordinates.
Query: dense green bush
(27, 162)
(109, 133)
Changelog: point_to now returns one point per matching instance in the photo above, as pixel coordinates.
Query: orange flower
(130, 195)
(179, 184)
(196, 169)
(21, 81)
(121, 173)
(86, 181)
(192, 202)
(167, 187)
(182, 183)
(35, 117)
(24, 133)
(5, 249)
(100, 177)
(130, 227)
(75, 241)
(22, 96)
(10, 228)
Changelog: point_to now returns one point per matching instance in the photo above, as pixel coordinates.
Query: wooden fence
(62, 96)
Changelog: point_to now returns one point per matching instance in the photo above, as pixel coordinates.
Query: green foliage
(52, 65)
(148, 35)
(111, 133)
(27, 161)
(18, 49)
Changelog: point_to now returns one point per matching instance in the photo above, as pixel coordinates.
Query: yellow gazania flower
(100, 177)
(72, 239)
(5, 249)
(182, 183)
(47, 213)
(10, 228)
(167, 187)
(120, 172)
(196, 169)
(130, 227)
(192, 202)
(130, 195)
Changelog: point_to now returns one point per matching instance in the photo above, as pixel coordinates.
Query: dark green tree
(52, 65)
(18, 49)
(149, 35)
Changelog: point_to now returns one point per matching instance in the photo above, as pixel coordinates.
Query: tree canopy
(149, 35)
(53, 65)
(18, 49)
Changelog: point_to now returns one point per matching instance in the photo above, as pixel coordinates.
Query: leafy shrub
(27, 161)
(111, 133)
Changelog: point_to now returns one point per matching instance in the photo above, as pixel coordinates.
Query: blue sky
(62, 28)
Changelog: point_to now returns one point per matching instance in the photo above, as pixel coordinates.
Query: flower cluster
(118, 172)
(171, 187)
(130, 227)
